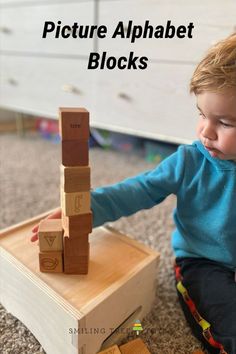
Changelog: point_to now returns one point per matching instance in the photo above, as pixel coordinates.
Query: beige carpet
(29, 185)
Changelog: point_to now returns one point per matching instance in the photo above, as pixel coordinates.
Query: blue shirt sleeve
(140, 192)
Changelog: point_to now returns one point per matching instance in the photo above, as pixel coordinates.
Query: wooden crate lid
(114, 258)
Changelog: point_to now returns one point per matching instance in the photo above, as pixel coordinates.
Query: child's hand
(55, 215)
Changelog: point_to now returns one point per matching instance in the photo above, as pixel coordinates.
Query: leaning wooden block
(51, 262)
(75, 179)
(134, 347)
(75, 152)
(112, 350)
(77, 225)
(73, 123)
(75, 203)
(50, 235)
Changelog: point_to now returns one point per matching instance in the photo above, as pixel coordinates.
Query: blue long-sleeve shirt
(205, 215)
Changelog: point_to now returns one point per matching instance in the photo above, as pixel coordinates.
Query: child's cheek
(229, 147)
(198, 129)
(228, 139)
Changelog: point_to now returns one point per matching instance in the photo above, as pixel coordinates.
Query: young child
(203, 178)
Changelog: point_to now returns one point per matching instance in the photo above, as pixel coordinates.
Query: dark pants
(207, 294)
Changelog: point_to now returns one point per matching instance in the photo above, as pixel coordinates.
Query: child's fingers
(55, 215)
(34, 238)
(35, 228)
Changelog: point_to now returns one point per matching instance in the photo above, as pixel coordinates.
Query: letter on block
(75, 179)
(50, 235)
(74, 123)
(51, 262)
(75, 203)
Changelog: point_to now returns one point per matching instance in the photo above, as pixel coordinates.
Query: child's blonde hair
(217, 71)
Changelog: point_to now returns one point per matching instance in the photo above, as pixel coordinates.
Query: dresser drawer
(41, 85)
(21, 28)
(212, 21)
(153, 103)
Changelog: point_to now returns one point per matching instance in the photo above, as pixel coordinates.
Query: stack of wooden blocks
(64, 243)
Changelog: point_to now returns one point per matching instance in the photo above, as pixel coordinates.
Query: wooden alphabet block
(76, 246)
(73, 123)
(75, 179)
(75, 152)
(77, 225)
(75, 203)
(76, 256)
(112, 350)
(51, 262)
(50, 235)
(76, 265)
(134, 347)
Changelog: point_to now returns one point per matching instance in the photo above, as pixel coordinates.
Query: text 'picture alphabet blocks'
(50, 235)
(75, 179)
(75, 203)
(77, 225)
(51, 262)
(73, 123)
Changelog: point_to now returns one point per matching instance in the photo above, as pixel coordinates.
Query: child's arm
(140, 192)
(133, 194)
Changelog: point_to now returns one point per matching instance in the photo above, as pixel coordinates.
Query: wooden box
(77, 314)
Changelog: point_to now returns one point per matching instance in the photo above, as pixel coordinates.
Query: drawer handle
(12, 82)
(71, 89)
(5, 30)
(124, 96)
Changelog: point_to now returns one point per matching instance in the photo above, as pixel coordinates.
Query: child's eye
(201, 115)
(225, 125)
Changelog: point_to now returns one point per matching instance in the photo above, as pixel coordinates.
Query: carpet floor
(29, 185)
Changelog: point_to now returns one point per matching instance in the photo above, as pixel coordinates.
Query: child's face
(217, 123)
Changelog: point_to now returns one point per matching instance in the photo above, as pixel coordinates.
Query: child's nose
(209, 132)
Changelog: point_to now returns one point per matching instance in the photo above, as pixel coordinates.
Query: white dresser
(39, 75)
